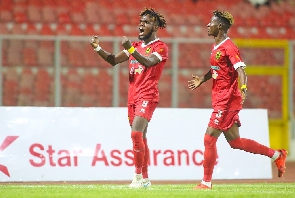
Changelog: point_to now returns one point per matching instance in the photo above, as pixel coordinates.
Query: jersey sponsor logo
(137, 70)
(215, 67)
(133, 61)
(148, 50)
(214, 74)
(218, 55)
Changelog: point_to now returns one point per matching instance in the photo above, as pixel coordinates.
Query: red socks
(247, 145)
(138, 150)
(145, 160)
(251, 146)
(210, 156)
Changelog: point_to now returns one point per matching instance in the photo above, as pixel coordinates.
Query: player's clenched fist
(126, 43)
(94, 42)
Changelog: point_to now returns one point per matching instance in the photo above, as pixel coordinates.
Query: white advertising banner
(94, 144)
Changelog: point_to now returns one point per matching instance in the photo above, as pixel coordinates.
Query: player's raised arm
(107, 56)
(147, 61)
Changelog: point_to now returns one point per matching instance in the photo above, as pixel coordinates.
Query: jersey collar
(144, 45)
(216, 46)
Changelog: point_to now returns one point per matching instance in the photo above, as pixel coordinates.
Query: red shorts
(224, 119)
(143, 109)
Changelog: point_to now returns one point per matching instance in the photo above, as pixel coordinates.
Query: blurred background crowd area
(29, 64)
(185, 18)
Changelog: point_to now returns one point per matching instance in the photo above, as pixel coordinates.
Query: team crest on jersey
(218, 55)
(148, 50)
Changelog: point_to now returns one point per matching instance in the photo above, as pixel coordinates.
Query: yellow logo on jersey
(148, 50)
(218, 55)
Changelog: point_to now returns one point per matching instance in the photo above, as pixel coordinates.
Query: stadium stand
(180, 13)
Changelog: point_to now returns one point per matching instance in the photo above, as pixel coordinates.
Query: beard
(149, 34)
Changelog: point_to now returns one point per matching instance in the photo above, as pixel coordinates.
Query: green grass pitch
(259, 190)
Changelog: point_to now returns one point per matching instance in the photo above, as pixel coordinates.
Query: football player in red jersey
(227, 67)
(146, 62)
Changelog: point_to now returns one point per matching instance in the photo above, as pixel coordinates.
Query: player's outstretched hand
(195, 82)
(126, 43)
(94, 42)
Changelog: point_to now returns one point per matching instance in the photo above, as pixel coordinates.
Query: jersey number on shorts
(144, 104)
(218, 115)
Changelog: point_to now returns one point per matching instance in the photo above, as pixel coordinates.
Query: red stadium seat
(14, 57)
(164, 86)
(20, 17)
(10, 97)
(77, 16)
(47, 44)
(31, 29)
(63, 29)
(163, 33)
(130, 31)
(18, 28)
(124, 83)
(29, 56)
(10, 76)
(44, 57)
(76, 30)
(63, 18)
(6, 15)
(89, 84)
(106, 16)
(91, 58)
(46, 30)
(122, 19)
(104, 88)
(34, 13)
(177, 19)
(36, 3)
(49, 14)
(6, 5)
(133, 18)
(92, 13)
(71, 89)
(3, 28)
(26, 82)
(75, 57)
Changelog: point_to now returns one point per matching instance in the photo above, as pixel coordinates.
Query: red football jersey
(225, 59)
(144, 81)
